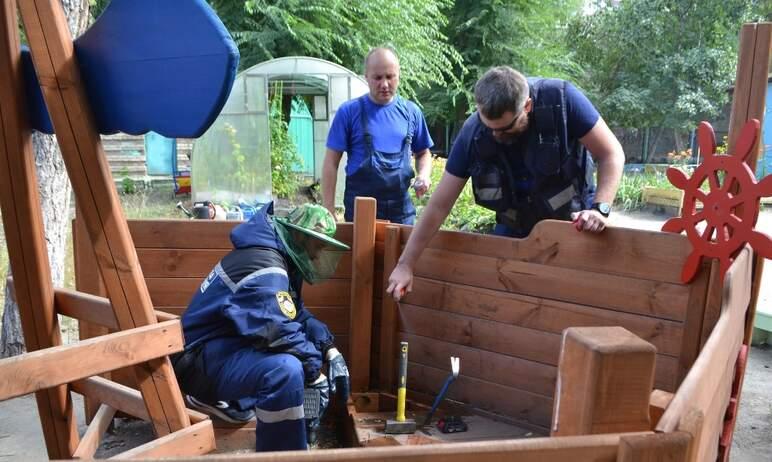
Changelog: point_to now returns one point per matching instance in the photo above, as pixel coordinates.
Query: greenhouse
(232, 161)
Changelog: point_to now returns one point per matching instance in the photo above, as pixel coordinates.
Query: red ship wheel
(730, 197)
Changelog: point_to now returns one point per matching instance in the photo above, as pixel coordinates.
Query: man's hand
(589, 220)
(421, 185)
(400, 281)
(339, 377)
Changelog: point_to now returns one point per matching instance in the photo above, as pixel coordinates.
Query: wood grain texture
(64, 93)
(605, 377)
(640, 296)
(93, 436)
(639, 254)
(64, 364)
(387, 330)
(707, 387)
(539, 313)
(25, 235)
(197, 439)
(662, 447)
(199, 234)
(363, 257)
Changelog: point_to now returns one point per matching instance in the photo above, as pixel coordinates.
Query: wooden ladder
(52, 370)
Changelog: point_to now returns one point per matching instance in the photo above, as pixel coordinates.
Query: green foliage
(128, 186)
(630, 193)
(343, 31)
(660, 63)
(284, 153)
(525, 34)
(465, 215)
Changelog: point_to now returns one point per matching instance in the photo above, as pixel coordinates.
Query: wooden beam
(749, 102)
(25, 236)
(661, 447)
(92, 309)
(704, 394)
(65, 96)
(63, 364)
(115, 395)
(122, 398)
(93, 436)
(363, 258)
(658, 403)
(87, 280)
(196, 439)
(597, 448)
(389, 322)
(605, 378)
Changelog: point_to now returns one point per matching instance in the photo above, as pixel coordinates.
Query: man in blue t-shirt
(380, 132)
(525, 149)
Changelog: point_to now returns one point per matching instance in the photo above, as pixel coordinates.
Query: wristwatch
(602, 207)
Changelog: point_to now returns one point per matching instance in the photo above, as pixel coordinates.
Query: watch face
(602, 207)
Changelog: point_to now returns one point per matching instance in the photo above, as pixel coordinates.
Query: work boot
(222, 410)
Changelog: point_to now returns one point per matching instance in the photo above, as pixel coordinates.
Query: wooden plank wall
(501, 305)
(175, 256)
(700, 405)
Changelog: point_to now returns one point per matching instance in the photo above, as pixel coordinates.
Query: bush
(465, 215)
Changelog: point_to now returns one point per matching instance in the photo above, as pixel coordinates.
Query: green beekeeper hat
(316, 222)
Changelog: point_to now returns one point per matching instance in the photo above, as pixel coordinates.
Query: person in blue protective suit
(525, 149)
(380, 132)
(252, 350)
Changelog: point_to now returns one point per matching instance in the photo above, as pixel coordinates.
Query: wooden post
(25, 236)
(389, 322)
(748, 102)
(605, 378)
(65, 96)
(660, 447)
(87, 280)
(362, 262)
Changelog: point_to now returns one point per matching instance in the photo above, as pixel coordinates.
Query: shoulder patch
(286, 305)
(208, 281)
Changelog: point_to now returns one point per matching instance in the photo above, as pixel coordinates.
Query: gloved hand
(321, 388)
(339, 378)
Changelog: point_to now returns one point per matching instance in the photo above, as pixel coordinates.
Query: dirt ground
(21, 437)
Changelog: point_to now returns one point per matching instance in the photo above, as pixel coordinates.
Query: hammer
(401, 425)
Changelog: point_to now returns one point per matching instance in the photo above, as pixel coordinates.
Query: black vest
(544, 175)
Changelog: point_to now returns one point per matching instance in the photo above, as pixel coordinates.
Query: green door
(301, 131)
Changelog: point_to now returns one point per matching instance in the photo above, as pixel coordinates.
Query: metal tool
(455, 368)
(400, 424)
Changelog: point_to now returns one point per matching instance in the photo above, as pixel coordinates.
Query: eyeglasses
(506, 127)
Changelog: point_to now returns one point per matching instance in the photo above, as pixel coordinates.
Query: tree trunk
(55, 197)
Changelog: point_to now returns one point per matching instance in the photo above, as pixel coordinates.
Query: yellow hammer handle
(402, 390)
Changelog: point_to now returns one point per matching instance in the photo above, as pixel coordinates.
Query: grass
(143, 204)
(630, 193)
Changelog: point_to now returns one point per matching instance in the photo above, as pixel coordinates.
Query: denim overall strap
(384, 176)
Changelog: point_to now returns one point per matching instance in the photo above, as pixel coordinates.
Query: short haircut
(499, 90)
(376, 50)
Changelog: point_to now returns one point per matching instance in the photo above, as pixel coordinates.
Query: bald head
(379, 54)
(382, 74)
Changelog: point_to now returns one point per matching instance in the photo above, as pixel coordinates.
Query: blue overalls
(383, 175)
(243, 342)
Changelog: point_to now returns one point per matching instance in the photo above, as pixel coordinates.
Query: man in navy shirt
(525, 149)
(380, 132)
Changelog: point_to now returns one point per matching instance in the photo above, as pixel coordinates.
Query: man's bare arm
(330, 178)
